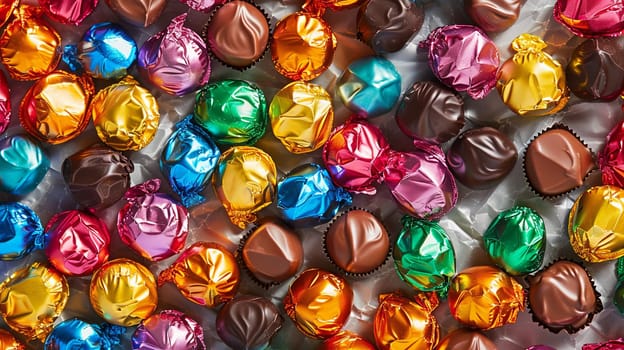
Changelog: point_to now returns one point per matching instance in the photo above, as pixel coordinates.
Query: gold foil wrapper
(318, 7)
(9, 342)
(346, 341)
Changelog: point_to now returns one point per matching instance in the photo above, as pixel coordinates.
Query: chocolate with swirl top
(493, 15)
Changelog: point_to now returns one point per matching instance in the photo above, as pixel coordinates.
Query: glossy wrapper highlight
(168, 329)
(611, 157)
(608, 345)
(318, 7)
(68, 11)
(23, 164)
(202, 5)
(6, 10)
(5, 103)
(590, 18)
(346, 341)
(21, 231)
(141, 13)
(78, 334)
(9, 342)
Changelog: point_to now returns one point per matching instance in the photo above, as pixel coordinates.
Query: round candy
(21, 231)
(9, 342)
(175, 59)
(318, 7)
(54, 109)
(464, 339)
(141, 13)
(68, 11)
(238, 34)
(78, 334)
(532, 83)
(346, 341)
(31, 299)
(205, 273)
(152, 223)
(590, 19)
(77, 242)
(5, 104)
(319, 303)
(248, 322)
(493, 15)
(370, 86)
(611, 157)
(123, 292)
(234, 112)
(614, 344)
(302, 46)
(125, 115)
(244, 183)
(307, 196)
(464, 58)
(301, 116)
(203, 5)
(187, 161)
(23, 164)
(485, 297)
(168, 329)
(6, 10)
(424, 256)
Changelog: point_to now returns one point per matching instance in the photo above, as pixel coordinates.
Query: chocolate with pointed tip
(493, 15)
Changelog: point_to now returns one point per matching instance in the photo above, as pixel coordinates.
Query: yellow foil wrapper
(595, 224)
(54, 109)
(303, 46)
(206, 274)
(9, 342)
(302, 116)
(404, 324)
(32, 298)
(244, 183)
(6, 9)
(125, 115)
(485, 297)
(123, 292)
(319, 303)
(532, 83)
(29, 47)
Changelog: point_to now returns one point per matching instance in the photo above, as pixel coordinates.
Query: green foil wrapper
(234, 112)
(618, 295)
(424, 256)
(516, 240)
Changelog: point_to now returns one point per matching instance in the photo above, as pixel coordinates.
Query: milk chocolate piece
(138, 12)
(493, 15)
(481, 157)
(465, 339)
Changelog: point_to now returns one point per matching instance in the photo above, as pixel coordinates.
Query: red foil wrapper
(611, 158)
(6, 9)
(68, 11)
(5, 104)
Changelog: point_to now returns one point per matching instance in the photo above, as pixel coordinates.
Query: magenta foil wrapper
(591, 18)
(611, 158)
(5, 104)
(153, 224)
(203, 5)
(68, 11)
(168, 329)
(616, 344)
(464, 58)
(176, 59)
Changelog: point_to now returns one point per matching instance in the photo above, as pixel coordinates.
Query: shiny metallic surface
(168, 329)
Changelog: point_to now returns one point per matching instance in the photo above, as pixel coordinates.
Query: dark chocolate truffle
(596, 69)
(465, 339)
(556, 162)
(97, 176)
(480, 157)
(562, 297)
(357, 242)
(430, 111)
(248, 322)
(493, 15)
(387, 25)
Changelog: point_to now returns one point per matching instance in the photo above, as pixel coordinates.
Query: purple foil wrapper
(203, 5)
(168, 329)
(616, 344)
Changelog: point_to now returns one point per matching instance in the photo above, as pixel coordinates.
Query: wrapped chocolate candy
(21, 230)
(608, 345)
(464, 58)
(78, 334)
(68, 11)
(493, 15)
(532, 83)
(370, 86)
(404, 323)
(125, 115)
(203, 5)
(123, 292)
(168, 329)
(54, 109)
(23, 164)
(516, 240)
(319, 303)
(248, 322)
(346, 341)
(175, 59)
(78, 242)
(618, 294)
(6, 10)
(234, 112)
(485, 297)
(31, 299)
(307, 196)
(318, 7)
(152, 223)
(29, 47)
(302, 116)
(205, 273)
(244, 182)
(611, 157)
(5, 104)
(141, 13)
(9, 342)
(590, 19)
(464, 339)
(424, 256)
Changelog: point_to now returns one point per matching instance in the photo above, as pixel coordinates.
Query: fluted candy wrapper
(205, 273)
(175, 59)
(9, 342)
(590, 18)
(123, 292)
(20, 231)
(78, 242)
(319, 6)
(54, 109)
(141, 13)
(202, 5)
(346, 341)
(125, 115)
(614, 344)
(464, 339)
(168, 329)
(244, 182)
(464, 58)
(6, 10)
(23, 164)
(31, 299)
(78, 334)
(611, 157)
(5, 103)
(68, 11)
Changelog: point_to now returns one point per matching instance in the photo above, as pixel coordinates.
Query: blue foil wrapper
(77, 334)
(106, 51)
(22, 165)
(20, 231)
(308, 196)
(188, 160)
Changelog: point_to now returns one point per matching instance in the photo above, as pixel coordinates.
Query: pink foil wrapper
(168, 329)
(68, 11)
(591, 18)
(5, 104)
(176, 59)
(203, 5)
(616, 344)
(78, 242)
(355, 155)
(611, 158)
(464, 58)
(151, 223)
